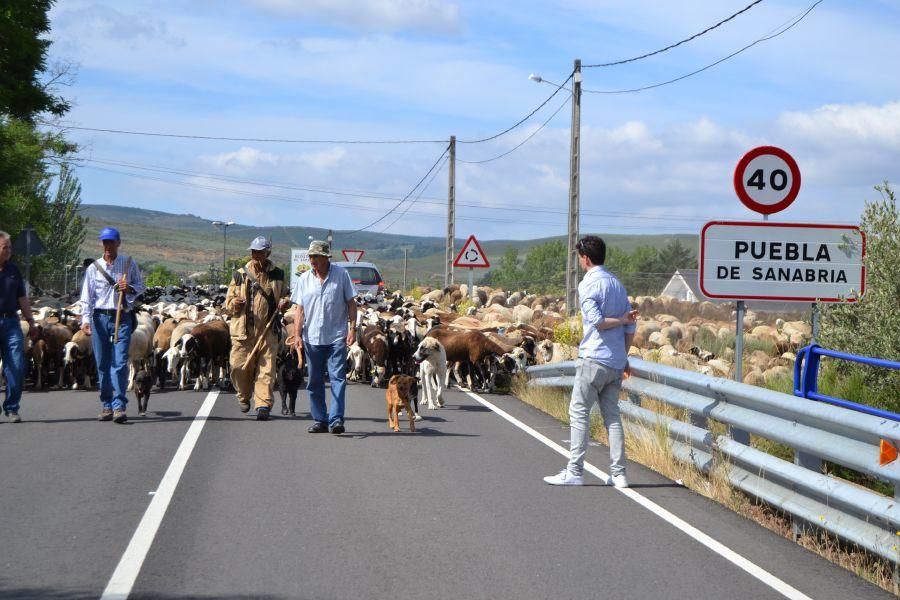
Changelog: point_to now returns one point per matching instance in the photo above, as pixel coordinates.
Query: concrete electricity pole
(451, 213)
(574, 185)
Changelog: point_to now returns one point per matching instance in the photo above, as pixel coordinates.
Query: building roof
(691, 278)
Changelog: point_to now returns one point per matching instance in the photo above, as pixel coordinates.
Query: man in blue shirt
(326, 305)
(104, 281)
(608, 323)
(12, 342)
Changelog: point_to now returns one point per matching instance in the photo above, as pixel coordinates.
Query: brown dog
(401, 389)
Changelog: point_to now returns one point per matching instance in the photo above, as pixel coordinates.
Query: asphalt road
(265, 510)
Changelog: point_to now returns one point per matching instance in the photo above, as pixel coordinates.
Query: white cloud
(429, 16)
(836, 125)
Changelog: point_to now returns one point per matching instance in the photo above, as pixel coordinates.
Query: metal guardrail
(806, 378)
(813, 429)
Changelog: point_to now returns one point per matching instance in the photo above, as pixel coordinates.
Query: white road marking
(123, 578)
(719, 548)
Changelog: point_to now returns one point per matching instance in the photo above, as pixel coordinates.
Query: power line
(525, 118)
(709, 66)
(362, 194)
(520, 144)
(239, 139)
(301, 141)
(415, 187)
(356, 207)
(676, 44)
(422, 191)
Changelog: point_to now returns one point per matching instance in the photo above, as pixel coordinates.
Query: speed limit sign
(767, 179)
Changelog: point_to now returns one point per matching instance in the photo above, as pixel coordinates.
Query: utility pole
(330, 239)
(405, 265)
(574, 185)
(224, 225)
(451, 213)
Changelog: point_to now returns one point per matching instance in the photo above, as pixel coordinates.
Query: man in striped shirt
(104, 280)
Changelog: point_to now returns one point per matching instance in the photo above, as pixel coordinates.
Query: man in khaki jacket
(256, 293)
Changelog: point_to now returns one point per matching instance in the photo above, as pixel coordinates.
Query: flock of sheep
(182, 336)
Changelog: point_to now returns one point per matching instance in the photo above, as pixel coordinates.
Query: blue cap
(109, 233)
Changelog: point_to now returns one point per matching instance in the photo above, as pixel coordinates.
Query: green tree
(871, 327)
(25, 155)
(161, 276)
(545, 267)
(63, 230)
(675, 256)
(507, 274)
(23, 60)
(26, 93)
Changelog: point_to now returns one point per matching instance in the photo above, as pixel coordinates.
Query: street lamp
(224, 225)
(574, 186)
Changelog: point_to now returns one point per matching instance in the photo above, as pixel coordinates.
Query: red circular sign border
(744, 197)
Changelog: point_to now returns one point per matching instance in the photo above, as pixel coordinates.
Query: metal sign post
(471, 283)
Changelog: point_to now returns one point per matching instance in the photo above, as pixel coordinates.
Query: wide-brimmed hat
(260, 243)
(319, 248)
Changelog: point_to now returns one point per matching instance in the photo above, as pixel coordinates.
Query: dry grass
(651, 448)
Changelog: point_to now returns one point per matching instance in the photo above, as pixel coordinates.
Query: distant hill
(187, 243)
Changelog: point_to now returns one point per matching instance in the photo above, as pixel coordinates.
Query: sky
(331, 71)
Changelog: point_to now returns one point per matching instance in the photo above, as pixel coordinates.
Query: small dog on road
(401, 391)
(143, 381)
(290, 378)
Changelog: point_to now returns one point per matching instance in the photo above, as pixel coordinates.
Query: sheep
(356, 359)
(162, 341)
(78, 358)
(172, 356)
(471, 347)
(208, 346)
(375, 343)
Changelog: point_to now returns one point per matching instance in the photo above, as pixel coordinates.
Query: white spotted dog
(432, 361)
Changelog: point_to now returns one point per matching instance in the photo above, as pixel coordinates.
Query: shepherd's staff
(118, 313)
(260, 340)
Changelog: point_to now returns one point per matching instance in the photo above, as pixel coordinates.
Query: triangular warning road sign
(353, 255)
(471, 255)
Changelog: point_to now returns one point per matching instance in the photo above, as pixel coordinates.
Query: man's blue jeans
(12, 350)
(112, 359)
(332, 357)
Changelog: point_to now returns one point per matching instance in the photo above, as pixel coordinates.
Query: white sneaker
(564, 478)
(619, 481)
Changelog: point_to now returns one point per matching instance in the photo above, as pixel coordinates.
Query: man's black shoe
(262, 414)
(317, 427)
(337, 428)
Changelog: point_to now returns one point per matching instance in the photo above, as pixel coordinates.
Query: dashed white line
(719, 548)
(123, 578)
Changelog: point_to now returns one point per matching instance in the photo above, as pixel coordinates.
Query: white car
(365, 277)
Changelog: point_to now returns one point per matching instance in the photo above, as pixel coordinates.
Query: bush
(871, 327)
(569, 332)
(161, 276)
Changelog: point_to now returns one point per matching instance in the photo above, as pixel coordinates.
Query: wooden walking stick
(118, 313)
(259, 342)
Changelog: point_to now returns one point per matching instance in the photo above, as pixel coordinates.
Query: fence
(815, 431)
(806, 377)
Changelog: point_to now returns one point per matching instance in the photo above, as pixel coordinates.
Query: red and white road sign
(802, 262)
(353, 255)
(471, 255)
(767, 179)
